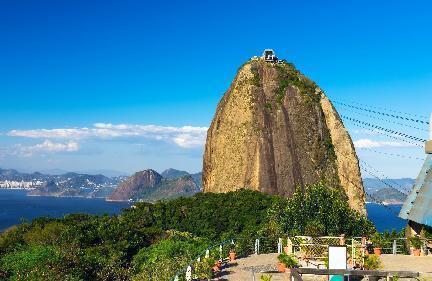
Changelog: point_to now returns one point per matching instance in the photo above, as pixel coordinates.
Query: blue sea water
(385, 218)
(15, 207)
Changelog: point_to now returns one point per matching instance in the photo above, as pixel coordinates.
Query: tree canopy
(167, 234)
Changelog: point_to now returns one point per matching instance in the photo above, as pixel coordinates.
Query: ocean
(385, 219)
(16, 207)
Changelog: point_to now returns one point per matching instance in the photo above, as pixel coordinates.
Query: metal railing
(304, 247)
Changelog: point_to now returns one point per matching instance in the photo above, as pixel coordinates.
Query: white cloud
(47, 146)
(188, 140)
(186, 136)
(368, 143)
(370, 132)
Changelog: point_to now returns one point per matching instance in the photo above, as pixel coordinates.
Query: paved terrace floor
(246, 268)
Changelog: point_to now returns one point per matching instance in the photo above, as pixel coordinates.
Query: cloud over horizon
(46, 147)
(368, 143)
(184, 137)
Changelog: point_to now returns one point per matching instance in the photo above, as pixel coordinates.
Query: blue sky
(128, 85)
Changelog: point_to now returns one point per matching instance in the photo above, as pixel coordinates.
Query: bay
(15, 207)
(385, 218)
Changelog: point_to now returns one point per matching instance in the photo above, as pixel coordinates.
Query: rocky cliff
(274, 130)
(148, 185)
(137, 183)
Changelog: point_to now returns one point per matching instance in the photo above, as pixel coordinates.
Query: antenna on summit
(270, 56)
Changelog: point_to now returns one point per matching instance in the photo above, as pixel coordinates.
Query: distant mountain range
(149, 185)
(68, 184)
(383, 191)
(170, 183)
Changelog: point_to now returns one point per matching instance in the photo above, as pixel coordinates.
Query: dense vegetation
(155, 240)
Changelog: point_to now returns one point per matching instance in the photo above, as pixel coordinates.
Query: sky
(130, 85)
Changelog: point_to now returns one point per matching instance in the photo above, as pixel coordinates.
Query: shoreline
(17, 188)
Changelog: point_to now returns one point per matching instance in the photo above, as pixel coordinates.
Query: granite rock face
(137, 183)
(150, 186)
(274, 131)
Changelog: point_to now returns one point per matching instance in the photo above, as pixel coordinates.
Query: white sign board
(337, 260)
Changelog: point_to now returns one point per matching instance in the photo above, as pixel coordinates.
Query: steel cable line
(391, 154)
(385, 130)
(375, 176)
(390, 136)
(371, 196)
(382, 108)
(381, 174)
(386, 120)
(382, 113)
(383, 181)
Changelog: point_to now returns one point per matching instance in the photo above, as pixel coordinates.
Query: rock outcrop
(274, 131)
(150, 186)
(136, 184)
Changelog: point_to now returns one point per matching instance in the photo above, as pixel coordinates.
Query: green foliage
(427, 232)
(377, 240)
(256, 79)
(158, 239)
(290, 76)
(268, 105)
(163, 259)
(266, 277)
(37, 263)
(203, 268)
(372, 262)
(324, 211)
(288, 260)
(416, 242)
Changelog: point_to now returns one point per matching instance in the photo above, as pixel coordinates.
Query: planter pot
(281, 267)
(288, 274)
(373, 278)
(232, 256)
(377, 251)
(416, 252)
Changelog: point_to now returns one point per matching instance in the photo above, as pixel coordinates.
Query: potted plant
(286, 250)
(416, 243)
(377, 243)
(232, 253)
(218, 264)
(372, 262)
(286, 263)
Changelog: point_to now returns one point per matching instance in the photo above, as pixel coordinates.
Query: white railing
(304, 247)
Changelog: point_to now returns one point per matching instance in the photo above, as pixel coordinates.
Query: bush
(372, 262)
(265, 277)
(37, 263)
(288, 260)
(203, 269)
(164, 258)
(324, 211)
(416, 242)
(377, 240)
